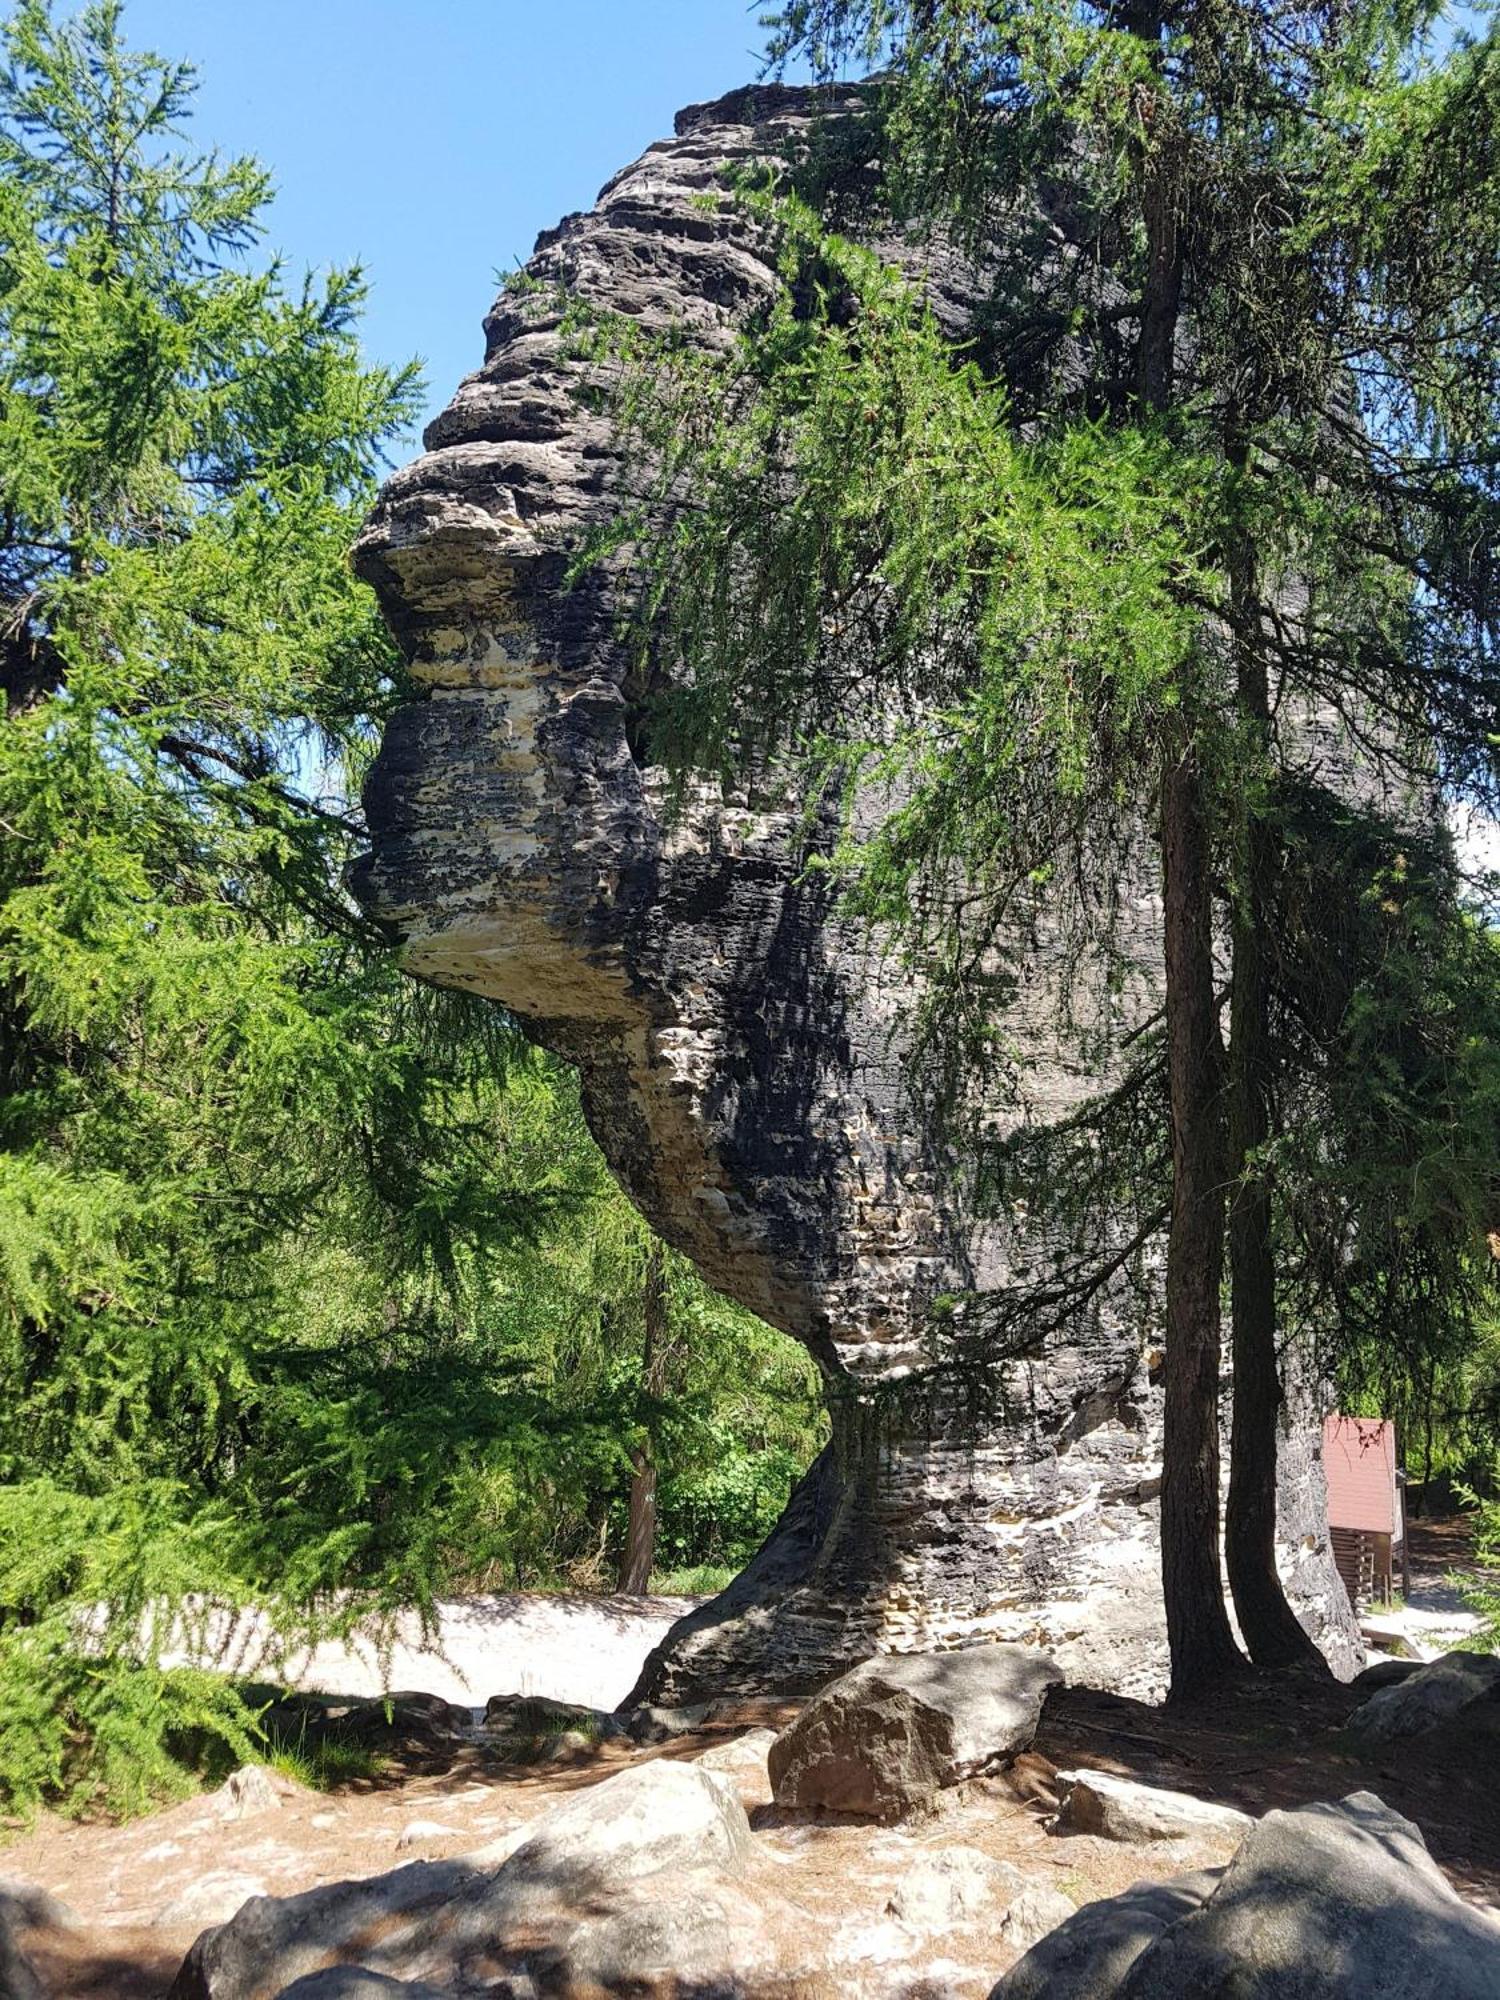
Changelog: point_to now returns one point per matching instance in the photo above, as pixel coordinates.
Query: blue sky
(432, 141)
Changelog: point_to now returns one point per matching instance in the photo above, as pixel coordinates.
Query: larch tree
(1217, 476)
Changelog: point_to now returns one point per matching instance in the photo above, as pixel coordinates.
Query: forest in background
(311, 1280)
(314, 1290)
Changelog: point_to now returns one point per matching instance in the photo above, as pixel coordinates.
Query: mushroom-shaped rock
(741, 1041)
(883, 1740)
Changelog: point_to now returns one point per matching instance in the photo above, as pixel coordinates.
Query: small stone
(249, 1790)
(424, 1833)
(659, 1725)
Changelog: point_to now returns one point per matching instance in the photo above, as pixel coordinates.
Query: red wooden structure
(1365, 1518)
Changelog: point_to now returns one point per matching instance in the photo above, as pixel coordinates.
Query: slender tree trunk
(1199, 1637)
(639, 1558)
(1269, 1625)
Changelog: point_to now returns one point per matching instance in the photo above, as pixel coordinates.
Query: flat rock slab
(1121, 1809)
(1324, 1903)
(884, 1739)
(1427, 1697)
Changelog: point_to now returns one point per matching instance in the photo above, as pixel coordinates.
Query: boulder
(531, 1722)
(1427, 1697)
(883, 1740)
(1088, 1956)
(18, 1976)
(411, 1722)
(566, 1897)
(1120, 1809)
(25, 1912)
(659, 1725)
(953, 1887)
(649, 1818)
(1381, 1673)
(1322, 1903)
(26, 1907)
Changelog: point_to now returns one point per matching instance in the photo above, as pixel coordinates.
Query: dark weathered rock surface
(740, 1044)
(1428, 1697)
(884, 1739)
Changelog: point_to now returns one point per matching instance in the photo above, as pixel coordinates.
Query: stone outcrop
(740, 1043)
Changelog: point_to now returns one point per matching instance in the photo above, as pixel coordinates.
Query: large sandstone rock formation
(739, 1044)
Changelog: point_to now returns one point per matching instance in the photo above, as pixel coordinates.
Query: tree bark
(639, 1557)
(1199, 1637)
(1269, 1625)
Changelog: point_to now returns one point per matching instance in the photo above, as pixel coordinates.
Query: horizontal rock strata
(739, 1043)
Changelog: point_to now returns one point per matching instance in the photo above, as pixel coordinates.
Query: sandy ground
(143, 1891)
(568, 1648)
(1433, 1617)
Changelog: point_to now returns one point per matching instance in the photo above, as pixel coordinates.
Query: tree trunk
(1199, 1637)
(1269, 1625)
(639, 1558)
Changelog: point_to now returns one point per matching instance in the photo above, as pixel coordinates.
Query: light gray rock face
(1428, 1697)
(1323, 1903)
(632, 1879)
(953, 1887)
(1035, 1914)
(739, 1043)
(1119, 1809)
(884, 1739)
